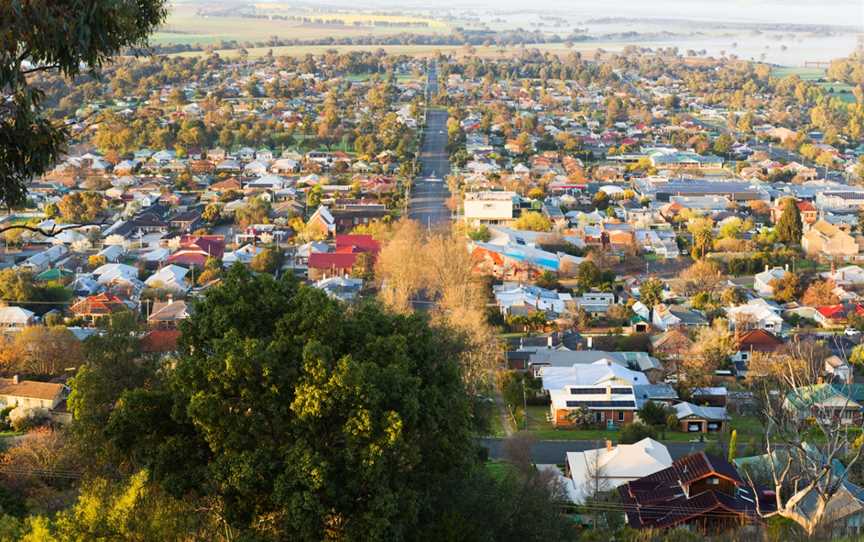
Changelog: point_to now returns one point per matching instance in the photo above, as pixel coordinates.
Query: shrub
(635, 432)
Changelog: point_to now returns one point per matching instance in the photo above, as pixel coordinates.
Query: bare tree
(808, 426)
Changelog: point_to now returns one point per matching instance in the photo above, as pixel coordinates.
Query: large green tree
(302, 419)
(57, 37)
(789, 227)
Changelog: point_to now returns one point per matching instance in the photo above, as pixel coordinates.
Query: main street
(428, 204)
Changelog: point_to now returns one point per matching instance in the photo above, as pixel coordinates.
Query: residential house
(170, 277)
(837, 402)
(16, 318)
(849, 275)
(613, 466)
(829, 241)
(490, 207)
(595, 302)
(762, 281)
(328, 264)
(43, 260)
(195, 250)
(322, 219)
(605, 388)
(673, 345)
(756, 314)
(750, 342)
(168, 314)
(838, 369)
(30, 395)
(700, 419)
(809, 213)
(699, 491)
(843, 515)
(98, 306)
(340, 287)
(520, 299)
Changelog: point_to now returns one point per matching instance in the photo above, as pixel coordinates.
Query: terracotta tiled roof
(160, 340)
(100, 304)
(759, 340)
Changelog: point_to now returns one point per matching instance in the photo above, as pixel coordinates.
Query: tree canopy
(301, 417)
(55, 37)
(789, 226)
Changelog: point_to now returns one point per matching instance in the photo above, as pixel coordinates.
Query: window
(622, 391)
(713, 481)
(620, 415)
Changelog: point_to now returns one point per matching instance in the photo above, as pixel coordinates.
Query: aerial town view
(320, 271)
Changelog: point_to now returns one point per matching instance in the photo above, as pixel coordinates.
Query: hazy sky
(839, 12)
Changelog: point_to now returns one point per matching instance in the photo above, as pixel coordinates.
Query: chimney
(15, 379)
(170, 298)
(550, 342)
(766, 267)
(608, 445)
(590, 342)
(787, 267)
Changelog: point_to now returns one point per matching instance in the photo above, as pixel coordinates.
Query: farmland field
(186, 26)
(806, 74)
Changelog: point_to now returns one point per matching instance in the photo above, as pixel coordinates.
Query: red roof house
(357, 243)
(97, 306)
(194, 250)
(832, 314)
(758, 340)
(699, 490)
(160, 341)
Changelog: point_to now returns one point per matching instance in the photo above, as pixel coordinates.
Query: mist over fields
(833, 12)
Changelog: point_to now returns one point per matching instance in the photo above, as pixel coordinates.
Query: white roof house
(762, 281)
(113, 271)
(42, 260)
(846, 276)
(170, 277)
(112, 253)
(601, 385)
(759, 312)
(343, 288)
(15, 317)
(683, 410)
(607, 468)
(243, 255)
(510, 295)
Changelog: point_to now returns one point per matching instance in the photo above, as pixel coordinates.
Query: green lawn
(542, 429)
(748, 427)
(498, 469)
(806, 74)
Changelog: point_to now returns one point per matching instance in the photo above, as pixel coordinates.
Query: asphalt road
(554, 451)
(429, 192)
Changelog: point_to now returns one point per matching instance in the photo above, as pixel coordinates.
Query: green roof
(54, 274)
(806, 396)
